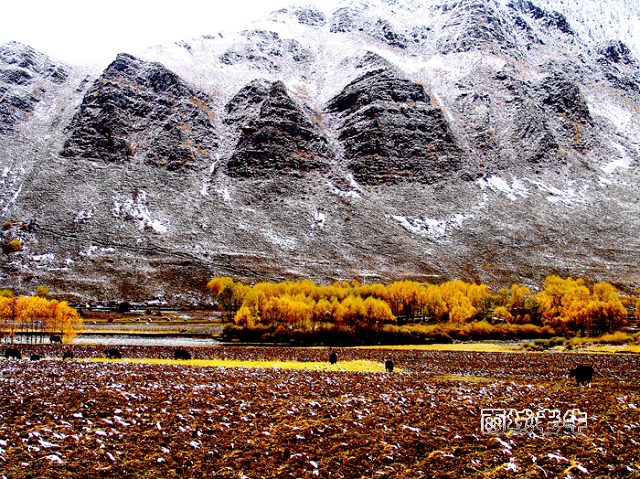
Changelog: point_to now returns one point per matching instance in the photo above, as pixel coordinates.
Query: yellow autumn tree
(8, 321)
(518, 297)
(435, 305)
(218, 284)
(503, 314)
(351, 312)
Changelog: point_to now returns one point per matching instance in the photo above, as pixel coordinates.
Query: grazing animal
(182, 354)
(388, 365)
(583, 374)
(67, 355)
(12, 353)
(35, 357)
(333, 357)
(55, 338)
(113, 353)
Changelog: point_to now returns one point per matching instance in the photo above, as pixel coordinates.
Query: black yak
(583, 374)
(113, 353)
(67, 355)
(54, 338)
(388, 365)
(12, 353)
(182, 354)
(333, 357)
(35, 357)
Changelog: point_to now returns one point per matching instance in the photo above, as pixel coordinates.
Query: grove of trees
(568, 306)
(37, 317)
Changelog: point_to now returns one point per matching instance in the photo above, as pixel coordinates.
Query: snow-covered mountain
(492, 140)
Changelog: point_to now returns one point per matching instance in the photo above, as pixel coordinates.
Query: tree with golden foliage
(568, 304)
(502, 314)
(39, 317)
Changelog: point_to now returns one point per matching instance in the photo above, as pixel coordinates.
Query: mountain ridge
(486, 141)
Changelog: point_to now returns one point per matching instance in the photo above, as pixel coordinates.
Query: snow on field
(129, 340)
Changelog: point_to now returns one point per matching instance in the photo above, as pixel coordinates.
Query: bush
(549, 343)
(532, 346)
(13, 246)
(618, 337)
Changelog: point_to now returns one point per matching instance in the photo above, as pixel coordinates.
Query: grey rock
(390, 133)
(25, 76)
(141, 110)
(620, 68)
(476, 25)
(550, 19)
(304, 15)
(276, 134)
(344, 20)
(265, 49)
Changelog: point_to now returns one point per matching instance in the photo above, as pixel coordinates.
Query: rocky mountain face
(493, 141)
(24, 77)
(136, 103)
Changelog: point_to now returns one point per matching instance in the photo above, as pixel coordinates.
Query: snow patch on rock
(498, 185)
(287, 243)
(432, 228)
(570, 196)
(136, 209)
(623, 161)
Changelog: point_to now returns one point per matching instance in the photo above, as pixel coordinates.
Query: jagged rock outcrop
(277, 136)
(391, 133)
(24, 76)
(553, 20)
(139, 110)
(344, 20)
(476, 25)
(565, 98)
(265, 49)
(304, 15)
(620, 68)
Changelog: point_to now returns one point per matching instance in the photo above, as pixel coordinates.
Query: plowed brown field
(80, 419)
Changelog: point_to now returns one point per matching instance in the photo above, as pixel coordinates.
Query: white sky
(94, 31)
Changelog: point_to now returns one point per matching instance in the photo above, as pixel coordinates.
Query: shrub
(618, 337)
(12, 246)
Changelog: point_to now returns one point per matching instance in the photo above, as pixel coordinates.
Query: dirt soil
(79, 419)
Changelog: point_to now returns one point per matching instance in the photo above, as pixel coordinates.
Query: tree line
(569, 306)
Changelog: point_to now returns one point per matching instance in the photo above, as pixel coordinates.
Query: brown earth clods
(78, 419)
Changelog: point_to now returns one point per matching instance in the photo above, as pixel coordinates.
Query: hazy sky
(93, 31)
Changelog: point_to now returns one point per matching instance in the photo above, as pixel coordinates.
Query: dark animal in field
(35, 357)
(54, 338)
(113, 353)
(12, 353)
(583, 374)
(182, 354)
(333, 358)
(67, 355)
(388, 365)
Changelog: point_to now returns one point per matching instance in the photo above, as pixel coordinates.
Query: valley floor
(85, 419)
